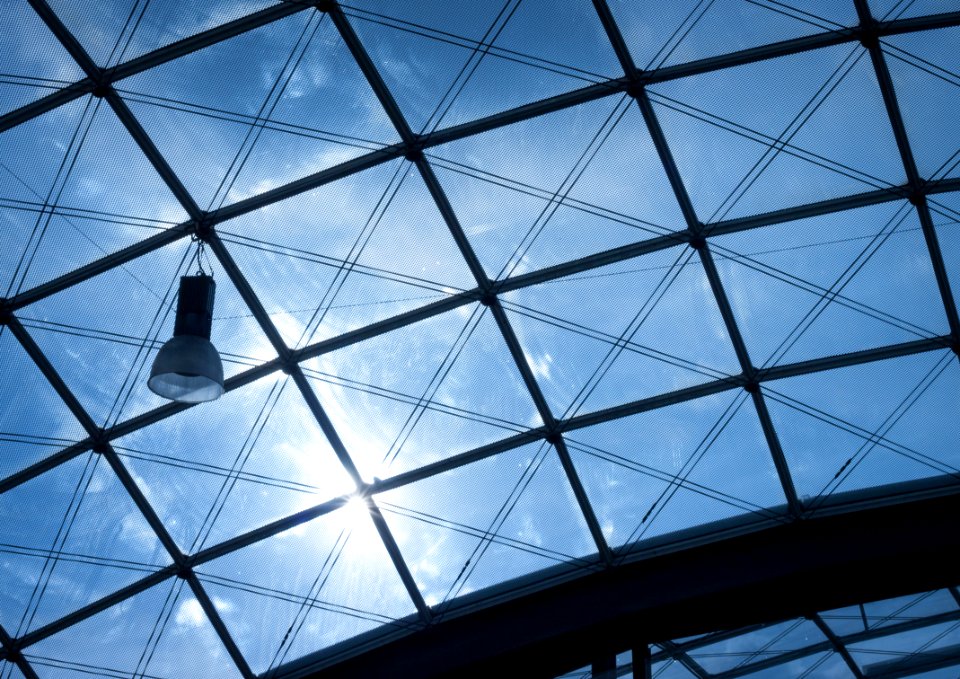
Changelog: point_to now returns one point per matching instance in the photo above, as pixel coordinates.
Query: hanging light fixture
(187, 368)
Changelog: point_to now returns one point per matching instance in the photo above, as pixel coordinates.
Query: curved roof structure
(510, 294)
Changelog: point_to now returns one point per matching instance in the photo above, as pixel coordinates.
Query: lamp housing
(188, 368)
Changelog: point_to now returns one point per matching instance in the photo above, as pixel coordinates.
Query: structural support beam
(775, 574)
(10, 653)
(99, 266)
(604, 666)
(640, 664)
(838, 646)
(681, 657)
(695, 232)
(213, 615)
(871, 31)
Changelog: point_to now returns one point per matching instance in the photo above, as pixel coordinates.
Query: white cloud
(190, 614)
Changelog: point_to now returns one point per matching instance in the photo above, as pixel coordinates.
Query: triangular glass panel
(423, 392)
(111, 198)
(923, 67)
(114, 32)
(546, 517)
(244, 126)
(695, 30)
(217, 470)
(722, 145)
(348, 254)
(35, 64)
(825, 423)
(565, 194)
(162, 632)
(312, 586)
(92, 193)
(34, 421)
(104, 351)
(660, 331)
(487, 522)
(444, 77)
(677, 467)
(27, 185)
(74, 535)
(871, 263)
(420, 67)
(541, 52)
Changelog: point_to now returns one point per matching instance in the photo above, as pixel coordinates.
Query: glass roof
(508, 292)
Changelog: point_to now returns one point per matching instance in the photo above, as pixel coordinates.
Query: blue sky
(244, 117)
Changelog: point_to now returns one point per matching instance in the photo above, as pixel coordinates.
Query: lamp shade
(188, 368)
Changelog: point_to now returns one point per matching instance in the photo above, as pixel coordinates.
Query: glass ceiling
(909, 636)
(508, 292)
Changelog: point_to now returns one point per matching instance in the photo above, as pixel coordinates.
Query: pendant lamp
(187, 368)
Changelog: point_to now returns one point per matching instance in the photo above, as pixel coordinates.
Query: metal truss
(415, 148)
(740, 585)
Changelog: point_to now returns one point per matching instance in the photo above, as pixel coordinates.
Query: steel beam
(516, 352)
(53, 377)
(589, 262)
(10, 653)
(838, 646)
(104, 89)
(853, 358)
(266, 531)
(774, 574)
(213, 615)
(523, 438)
(45, 104)
(379, 523)
(370, 71)
(695, 229)
(604, 666)
(98, 606)
(304, 184)
(173, 408)
(820, 646)
(393, 550)
(681, 657)
(150, 150)
(133, 490)
(195, 43)
(870, 36)
(249, 297)
(97, 267)
(640, 665)
(401, 320)
(45, 465)
(306, 391)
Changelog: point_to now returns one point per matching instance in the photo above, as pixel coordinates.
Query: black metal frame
(783, 572)
(413, 147)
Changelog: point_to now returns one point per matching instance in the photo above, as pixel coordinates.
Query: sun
(363, 536)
